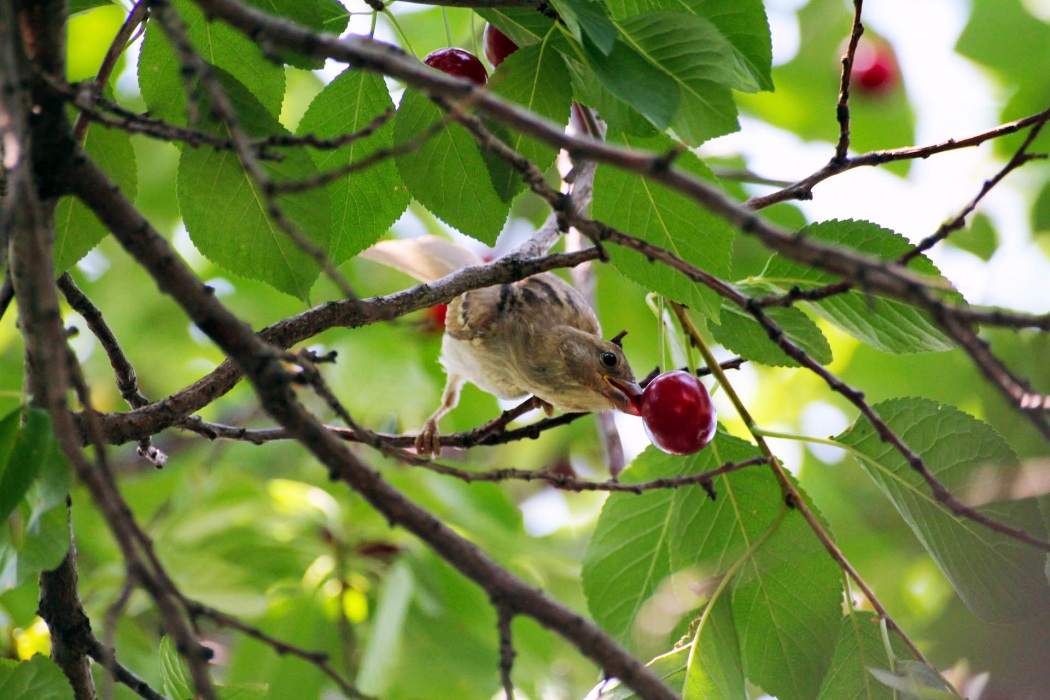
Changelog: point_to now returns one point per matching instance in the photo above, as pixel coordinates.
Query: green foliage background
(259, 532)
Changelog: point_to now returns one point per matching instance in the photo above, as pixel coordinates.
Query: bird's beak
(626, 396)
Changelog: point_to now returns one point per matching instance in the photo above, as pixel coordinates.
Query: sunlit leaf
(39, 678)
(365, 204)
(665, 218)
(886, 324)
(445, 170)
(999, 578)
(227, 214)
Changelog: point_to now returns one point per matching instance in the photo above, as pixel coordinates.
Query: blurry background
(259, 532)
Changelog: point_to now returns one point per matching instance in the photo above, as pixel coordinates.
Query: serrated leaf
(742, 22)
(39, 678)
(859, 648)
(629, 552)
(627, 76)
(536, 78)
(621, 117)
(786, 590)
(446, 173)
(365, 204)
(689, 53)
(523, 26)
(999, 578)
(586, 18)
(226, 212)
(885, 324)
(665, 218)
(715, 667)
(319, 15)
(77, 229)
(739, 332)
(160, 81)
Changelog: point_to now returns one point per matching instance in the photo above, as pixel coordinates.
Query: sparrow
(537, 337)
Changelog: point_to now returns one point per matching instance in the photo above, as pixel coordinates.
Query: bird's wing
(426, 258)
(534, 303)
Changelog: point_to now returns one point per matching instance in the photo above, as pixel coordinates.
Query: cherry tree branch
(261, 364)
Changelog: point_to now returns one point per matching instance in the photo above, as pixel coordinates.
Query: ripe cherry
(677, 413)
(875, 69)
(459, 63)
(497, 45)
(434, 318)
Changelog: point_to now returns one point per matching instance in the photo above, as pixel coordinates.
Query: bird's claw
(428, 441)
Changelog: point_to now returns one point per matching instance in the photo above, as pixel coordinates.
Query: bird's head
(582, 372)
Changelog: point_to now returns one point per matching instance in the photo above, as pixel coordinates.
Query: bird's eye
(609, 359)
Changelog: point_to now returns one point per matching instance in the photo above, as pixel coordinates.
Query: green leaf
(39, 678)
(884, 324)
(32, 445)
(715, 667)
(860, 648)
(174, 674)
(739, 332)
(29, 547)
(226, 212)
(690, 53)
(627, 76)
(160, 81)
(536, 78)
(786, 590)
(524, 26)
(1007, 36)
(667, 219)
(586, 18)
(381, 655)
(446, 173)
(629, 553)
(365, 204)
(669, 668)
(587, 89)
(979, 238)
(999, 578)
(1040, 215)
(319, 15)
(77, 229)
(78, 6)
(813, 76)
(742, 22)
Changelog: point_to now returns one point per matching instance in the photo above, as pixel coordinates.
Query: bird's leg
(427, 442)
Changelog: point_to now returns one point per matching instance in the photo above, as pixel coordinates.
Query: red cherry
(875, 68)
(497, 45)
(434, 318)
(677, 413)
(459, 63)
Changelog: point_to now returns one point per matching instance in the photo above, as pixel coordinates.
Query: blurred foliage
(261, 533)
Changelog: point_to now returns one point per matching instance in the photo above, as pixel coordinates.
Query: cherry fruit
(459, 63)
(434, 318)
(677, 413)
(875, 69)
(497, 45)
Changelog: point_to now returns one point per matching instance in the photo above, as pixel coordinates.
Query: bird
(537, 336)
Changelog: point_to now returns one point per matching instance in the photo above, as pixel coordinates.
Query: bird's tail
(426, 258)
